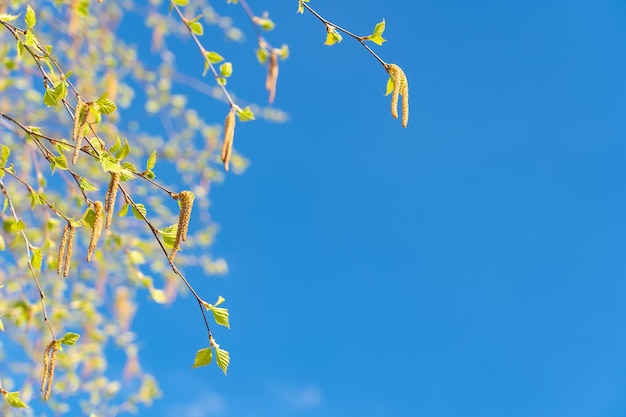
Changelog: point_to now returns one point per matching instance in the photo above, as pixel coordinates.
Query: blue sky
(469, 265)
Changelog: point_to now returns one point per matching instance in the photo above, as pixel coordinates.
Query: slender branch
(203, 51)
(361, 39)
(263, 43)
(42, 296)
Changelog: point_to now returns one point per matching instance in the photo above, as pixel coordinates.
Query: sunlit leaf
(203, 358)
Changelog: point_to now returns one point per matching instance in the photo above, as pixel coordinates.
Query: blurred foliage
(82, 107)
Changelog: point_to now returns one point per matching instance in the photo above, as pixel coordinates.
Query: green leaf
(283, 52)
(5, 17)
(36, 259)
(245, 114)
(203, 358)
(11, 225)
(223, 359)
(116, 146)
(332, 36)
(30, 18)
(59, 162)
(36, 199)
(151, 161)
(14, 400)
(86, 185)
(158, 296)
(389, 86)
(196, 27)
(106, 105)
(377, 35)
(262, 55)
(181, 2)
(219, 301)
(226, 69)
(264, 23)
(214, 57)
(169, 235)
(1, 326)
(220, 315)
(124, 210)
(138, 210)
(5, 151)
(301, 5)
(123, 153)
(2, 244)
(70, 338)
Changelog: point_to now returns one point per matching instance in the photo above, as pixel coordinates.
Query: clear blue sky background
(469, 265)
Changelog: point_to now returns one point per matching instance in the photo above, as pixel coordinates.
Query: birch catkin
(62, 247)
(49, 363)
(109, 198)
(68, 251)
(81, 113)
(98, 210)
(185, 199)
(400, 88)
(229, 134)
(272, 76)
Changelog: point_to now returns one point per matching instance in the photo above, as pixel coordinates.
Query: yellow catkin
(404, 92)
(46, 366)
(229, 134)
(50, 373)
(272, 76)
(81, 112)
(400, 88)
(98, 210)
(109, 198)
(61, 257)
(68, 251)
(185, 199)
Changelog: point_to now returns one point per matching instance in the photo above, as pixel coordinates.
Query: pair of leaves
(333, 36)
(205, 356)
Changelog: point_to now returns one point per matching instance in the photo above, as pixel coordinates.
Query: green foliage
(377, 35)
(14, 400)
(332, 36)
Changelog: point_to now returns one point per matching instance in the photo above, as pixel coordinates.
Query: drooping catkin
(98, 210)
(272, 76)
(185, 199)
(400, 88)
(62, 247)
(68, 251)
(49, 363)
(81, 113)
(229, 134)
(109, 198)
(50, 376)
(46, 366)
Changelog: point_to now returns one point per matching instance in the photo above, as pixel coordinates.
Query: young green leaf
(70, 339)
(301, 5)
(169, 235)
(181, 2)
(36, 259)
(377, 35)
(139, 211)
(14, 400)
(5, 17)
(196, 27)
(245, 114)
(262, 55)
(158, 296)
(2, 244)
(214, 57)
(31, 18)
(151, 161)
(226, 69)
(223, 359)
(5, 151)
(203, 358)
(332, 36)
(106, 105)
(389, 88)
